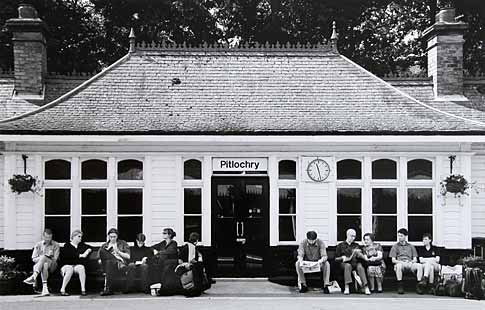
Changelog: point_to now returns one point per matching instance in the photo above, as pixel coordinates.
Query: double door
(240, 217)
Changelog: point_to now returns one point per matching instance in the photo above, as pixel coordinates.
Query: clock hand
(318, 169)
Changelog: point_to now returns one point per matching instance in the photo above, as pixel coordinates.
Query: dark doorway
(240, 225)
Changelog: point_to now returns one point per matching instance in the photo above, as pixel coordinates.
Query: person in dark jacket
(114, 255)
(164, 262)
(191, 259)
(140, 254)
(73, 259)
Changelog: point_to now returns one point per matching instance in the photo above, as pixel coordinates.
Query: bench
(282, 262)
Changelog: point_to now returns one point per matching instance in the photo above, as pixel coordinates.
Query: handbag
(334, 288)
(186, 277)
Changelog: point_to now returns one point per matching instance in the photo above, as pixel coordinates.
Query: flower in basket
(455, 184)
(22, 183)
(7, 267)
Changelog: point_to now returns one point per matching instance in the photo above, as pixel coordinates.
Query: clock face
(318, 170)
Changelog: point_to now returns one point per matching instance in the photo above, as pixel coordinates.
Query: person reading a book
(114, 255)
(138, 266)
(312, 257)
(349, 254)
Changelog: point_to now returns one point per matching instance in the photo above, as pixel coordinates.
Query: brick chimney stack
(445, 53)
(30, 55)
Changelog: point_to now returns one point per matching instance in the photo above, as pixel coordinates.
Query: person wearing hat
(138, 266)
(73, 260)
(115, 256)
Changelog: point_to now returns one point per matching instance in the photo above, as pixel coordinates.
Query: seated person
(139, 255)
(405, 258)
(429, 257)
(349, 254)
(376, 268)
(314, 250)
(44, 256)
(73, 260)
(192, 259)
(114, 255)
(164, 262)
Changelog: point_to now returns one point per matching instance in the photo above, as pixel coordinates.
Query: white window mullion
(75, 194)
(111, 207)
(206, 201)
(402, 195)
(367, 196)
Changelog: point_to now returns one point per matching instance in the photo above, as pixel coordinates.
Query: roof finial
(334, 37)
(132, 38)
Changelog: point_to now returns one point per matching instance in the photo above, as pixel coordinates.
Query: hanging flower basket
(455, 184)
(22, 183)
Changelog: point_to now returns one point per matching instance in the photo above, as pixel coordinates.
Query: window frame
(193, 184)
(401, 183)
(111, 184)
(287, 184)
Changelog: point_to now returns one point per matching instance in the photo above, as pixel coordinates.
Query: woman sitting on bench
(73, 259)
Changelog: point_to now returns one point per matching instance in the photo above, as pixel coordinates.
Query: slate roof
(55, 87)
(239, 91)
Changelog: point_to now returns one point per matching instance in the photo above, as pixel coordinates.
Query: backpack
(474, 283)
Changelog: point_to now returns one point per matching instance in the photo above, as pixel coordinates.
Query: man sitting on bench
(405, 258)
(349, 254)
(44, 256)
(312, 249)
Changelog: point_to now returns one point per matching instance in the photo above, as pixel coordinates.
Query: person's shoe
(346, 291)
(420, 288)
(45, 292)
(212, 281)
(325, 290)
(64, 294)
(400, 288)
(303, 288)
(432, 291)
(379, 291)
(358, 280)
(30, 280)
(83, 293)
(106, 293)
(366, 291)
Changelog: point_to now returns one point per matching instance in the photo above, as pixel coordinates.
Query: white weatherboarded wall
(454, 214)
(165, 202)
(2, 213)
(316, 199)
(478, 199)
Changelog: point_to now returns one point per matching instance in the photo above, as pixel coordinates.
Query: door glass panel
(225, 200)
(287, 228)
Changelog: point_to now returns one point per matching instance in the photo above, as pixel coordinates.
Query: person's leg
(111, 270)
(130, 276)
(66, 271)
(45, 275)
(418, 269)
(301, 275)
(347, 268)
(379, 284)
(145, 286)
(399, 268)
(81, 272)
(435, 269)
(325, 268)
(370, 278)
(363, 277)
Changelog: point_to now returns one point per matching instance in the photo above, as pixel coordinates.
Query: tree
(72, 40)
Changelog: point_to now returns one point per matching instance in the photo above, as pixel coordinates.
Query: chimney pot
(27, 11)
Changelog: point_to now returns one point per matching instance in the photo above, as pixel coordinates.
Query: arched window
(192, 169)
(349, 169)
(287, 170)
(420, 169)
(93, 169)
(130, 169)
(57, 169)
(384, 169)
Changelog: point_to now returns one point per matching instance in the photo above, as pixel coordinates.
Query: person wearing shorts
(405, 258)
(73, 260)
(429, 257)
(44, 256)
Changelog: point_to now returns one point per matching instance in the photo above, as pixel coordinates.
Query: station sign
(239, 164)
